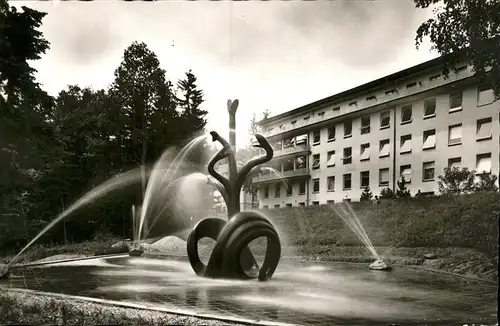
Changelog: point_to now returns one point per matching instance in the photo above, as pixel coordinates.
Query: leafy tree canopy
(465, 27)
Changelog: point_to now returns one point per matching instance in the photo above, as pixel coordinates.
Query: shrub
(366, 195)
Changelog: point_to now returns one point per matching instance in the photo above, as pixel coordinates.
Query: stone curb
(178, 312)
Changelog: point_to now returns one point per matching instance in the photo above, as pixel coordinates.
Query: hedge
(467, 221)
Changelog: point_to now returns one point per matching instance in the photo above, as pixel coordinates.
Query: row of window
(483, 132)
(485, 95)
(483, 165)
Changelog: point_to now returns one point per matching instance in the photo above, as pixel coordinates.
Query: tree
(456, 180)
(402, 190)
(366, 195)
(147, 106)
(469, 28)
(387, 193)
(189, 102)
(486, 182)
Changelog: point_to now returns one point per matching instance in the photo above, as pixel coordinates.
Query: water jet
(4, 271)
(231, 257)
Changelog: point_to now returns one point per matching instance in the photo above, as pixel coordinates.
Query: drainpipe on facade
(394, 153)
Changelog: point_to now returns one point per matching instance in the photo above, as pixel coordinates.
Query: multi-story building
(411, 125)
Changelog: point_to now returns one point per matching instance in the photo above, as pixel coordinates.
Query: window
(330, 159)
(483, 163)
(302, 204)
(287, 165)
(365, 125)
(331, 133)
(301, 139)
(315, 186)
(429, 139)
(353, 104)
(411, 85)
(365, 179)
(347, 155)
(300, 162)
(483, 130)
(485, 95)
(391, 92)
(347, 129)
(316, 162)
(347, 181)
(302, 187)
(405, 144)
(383, 177)
(330, 201)
(306, 119)
(277, 145)
(430, 108)
(277, 206)
(365, 152)
(371, 98)
(265, 206)
(385, 148)
(277, 190)
(435, 77)
(321, 114)
(289, 189)
(456, 101)
(293, 123)
(455, 135)
(406, 114)
(454, 162)
(330, 183)
(316, 137)
(266, 191)
(288, 205)
(336, 110)
(288, 142)
(428, 171)
(385, 120)
(315, 203)
(405, 172)
(460, 69)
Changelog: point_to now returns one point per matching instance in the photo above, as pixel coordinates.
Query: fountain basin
(4, 271)
(379, 265)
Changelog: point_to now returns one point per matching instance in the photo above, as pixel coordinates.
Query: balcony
(297, 149)
(418, 86)
(273, 177)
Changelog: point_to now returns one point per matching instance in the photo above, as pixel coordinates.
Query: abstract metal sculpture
(231, 257)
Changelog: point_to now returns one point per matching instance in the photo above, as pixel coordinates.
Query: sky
(272, 55)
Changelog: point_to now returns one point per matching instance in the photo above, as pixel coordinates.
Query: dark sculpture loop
(231, 257)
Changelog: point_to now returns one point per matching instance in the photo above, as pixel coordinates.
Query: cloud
(275, 55)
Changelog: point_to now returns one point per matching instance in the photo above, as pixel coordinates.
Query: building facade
(411, 125)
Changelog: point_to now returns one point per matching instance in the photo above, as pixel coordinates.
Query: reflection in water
(301, 294)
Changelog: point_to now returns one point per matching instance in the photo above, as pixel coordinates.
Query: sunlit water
(164, 171)
(114, 183)
(350, 218)
(160, 178)
(307, 294)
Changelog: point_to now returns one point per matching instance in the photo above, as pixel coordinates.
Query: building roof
(387, 80)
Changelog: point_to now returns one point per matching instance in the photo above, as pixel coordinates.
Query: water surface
(299, 293)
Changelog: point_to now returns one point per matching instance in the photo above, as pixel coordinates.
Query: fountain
(352, 221)
(231, 257)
